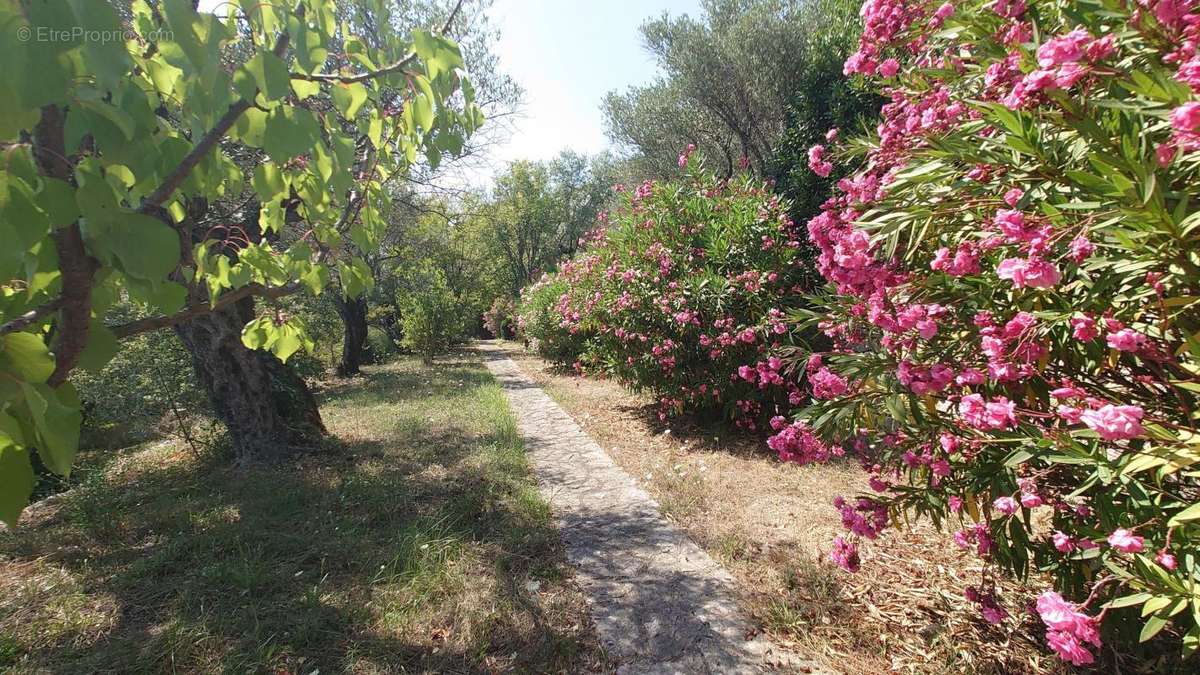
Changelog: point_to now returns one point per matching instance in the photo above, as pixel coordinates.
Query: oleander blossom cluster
(1005, 335)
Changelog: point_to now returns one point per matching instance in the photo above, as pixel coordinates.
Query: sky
(567, 54)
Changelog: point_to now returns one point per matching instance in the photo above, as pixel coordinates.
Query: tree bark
(354, 333)
(267, 408)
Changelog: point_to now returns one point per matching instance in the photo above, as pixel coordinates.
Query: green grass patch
(415, 542)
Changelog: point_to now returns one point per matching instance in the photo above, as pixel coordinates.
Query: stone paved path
(661, 604)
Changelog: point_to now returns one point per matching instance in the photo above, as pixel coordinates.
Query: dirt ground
(771, 525)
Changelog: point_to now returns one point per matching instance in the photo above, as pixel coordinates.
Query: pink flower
(817, 163)
(992, 614)
(970, 376)
(1067, 628)
(1126, 340)
(1031, 273)
(889, 68)
(1030, 500)
(1012, 224)
(1084, 329)
(827, 384)
(1115, 422)
(1186, 117)
(1006, 505)
(1063, 542)
(1009, 9)
(1081, 249)
(956, 503)
(1000, 413)
(1013, 196)
(1069, 648)
(845, 554)
(1062, 50)
(1125, 541)
(1166, 560)
(995, 414)
(1164, 154)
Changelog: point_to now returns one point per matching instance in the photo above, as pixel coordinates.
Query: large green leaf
(26, 355)
(268, 73)
(56, 424)
(290, 132)
(140, 246)
(16, 480)
(349, 98)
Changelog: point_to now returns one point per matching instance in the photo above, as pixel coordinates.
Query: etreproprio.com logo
(79, 34)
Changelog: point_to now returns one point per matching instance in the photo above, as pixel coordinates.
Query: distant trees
(539, 210)
(755, 79)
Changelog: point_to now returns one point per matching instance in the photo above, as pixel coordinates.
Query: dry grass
(415, 543)
(771, 525)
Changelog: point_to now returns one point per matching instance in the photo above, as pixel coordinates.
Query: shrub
(683, 295)
(379, 344)
(431, 319)
(499, 319)
(1013, 304)
(540, 321)
(127, 399)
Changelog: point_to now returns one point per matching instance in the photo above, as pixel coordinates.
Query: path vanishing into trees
(660, 603)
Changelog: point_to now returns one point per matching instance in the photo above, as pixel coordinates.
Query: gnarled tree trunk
(354, 335)
(266, 406)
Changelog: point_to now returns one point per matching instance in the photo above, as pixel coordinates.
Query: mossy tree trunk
(267, 408)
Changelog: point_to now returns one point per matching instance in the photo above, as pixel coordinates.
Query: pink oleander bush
(681, 292)
(1014, 307)
(540, 321)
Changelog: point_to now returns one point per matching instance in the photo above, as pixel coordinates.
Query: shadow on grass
(411, 547)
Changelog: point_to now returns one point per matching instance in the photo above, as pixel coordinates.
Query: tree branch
(76, 267)
(372, 74)
(32, 316)
(154, 323)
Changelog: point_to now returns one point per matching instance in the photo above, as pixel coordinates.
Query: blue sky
(567, 54)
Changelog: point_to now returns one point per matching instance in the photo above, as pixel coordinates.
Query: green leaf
(140, 246)
(422, 112)
(290, 132)
(16, 480)
(268, 182)
(438, 53)
(55, 423)
(270, 76)
(1128, 600)
(349, 98)
(101, 347)
(26, 355)
(1152, 627)
(57, 199)
(1190, 513)
(250, 127)
(282, 340)
(305, 88)
(288, 343)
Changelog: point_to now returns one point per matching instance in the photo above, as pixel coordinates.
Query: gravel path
(661, 604)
